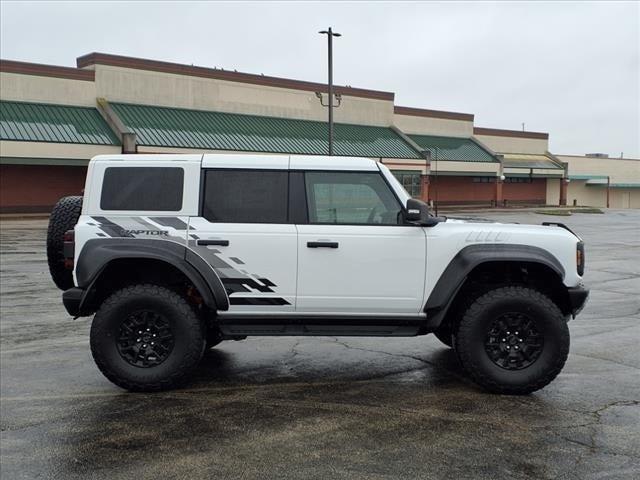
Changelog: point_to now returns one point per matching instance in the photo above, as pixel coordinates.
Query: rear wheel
(512, 340)
(64, 216)
(147, 338)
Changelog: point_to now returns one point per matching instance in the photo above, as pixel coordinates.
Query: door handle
(220, 243)
(322, 244)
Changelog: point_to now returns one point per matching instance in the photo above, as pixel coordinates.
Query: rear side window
(142, 188)
(246, 196)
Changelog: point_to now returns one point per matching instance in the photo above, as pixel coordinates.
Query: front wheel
(147, 338)
(512, 340)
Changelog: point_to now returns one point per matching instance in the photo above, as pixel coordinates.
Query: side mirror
(417, 211)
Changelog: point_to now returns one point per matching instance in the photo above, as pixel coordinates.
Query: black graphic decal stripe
(258, 301)
(110, 228)
(144, 223)
(173, 222)
(241, 281)
(240, 285)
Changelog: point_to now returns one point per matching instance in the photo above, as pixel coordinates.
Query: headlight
(580, 258)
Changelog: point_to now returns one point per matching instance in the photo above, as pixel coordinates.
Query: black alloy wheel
(513, 341)
(145, 339)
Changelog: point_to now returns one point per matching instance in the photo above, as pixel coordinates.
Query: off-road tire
(473, 328)
(186, 326)
(64, 216)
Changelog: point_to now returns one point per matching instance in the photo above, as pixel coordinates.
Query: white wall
(419, 125)
(31, 88)
(54, 150)
(553, 191)
(502, 144)
(118, 84)
(625, 170)
(592, 196)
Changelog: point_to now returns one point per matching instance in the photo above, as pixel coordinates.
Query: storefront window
(518, 180)
(410, 181)
(484, 179)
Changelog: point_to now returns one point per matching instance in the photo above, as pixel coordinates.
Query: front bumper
(577, 298)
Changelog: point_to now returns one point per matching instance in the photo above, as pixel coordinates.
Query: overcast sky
(571, 69)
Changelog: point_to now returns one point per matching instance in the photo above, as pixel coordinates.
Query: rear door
(355, 256)
(243, 231)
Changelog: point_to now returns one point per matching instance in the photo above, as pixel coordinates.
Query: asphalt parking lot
(322, 408)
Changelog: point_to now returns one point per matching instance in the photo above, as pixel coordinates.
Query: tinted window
(245, 196)
(350, 198)
(142, 188)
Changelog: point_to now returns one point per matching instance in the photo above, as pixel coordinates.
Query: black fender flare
(97, 253)
(469, 258)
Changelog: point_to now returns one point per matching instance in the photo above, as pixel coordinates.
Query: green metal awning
(587, 177)
(453, 149)
(39, 122)
(173, 127)
(613, 185)
(624, 185)
(524, 160)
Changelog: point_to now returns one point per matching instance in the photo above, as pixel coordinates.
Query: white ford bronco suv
(176, 253)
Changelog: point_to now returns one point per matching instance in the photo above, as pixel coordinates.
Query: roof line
(424, 112)
(96, 58)
(41, 70)
(498, 132)
(597, 158)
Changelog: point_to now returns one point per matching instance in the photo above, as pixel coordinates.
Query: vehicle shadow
(230, 411)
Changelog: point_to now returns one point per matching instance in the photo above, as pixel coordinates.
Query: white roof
(252, 160)
(282, 162)
(147, 158)
(316, 162)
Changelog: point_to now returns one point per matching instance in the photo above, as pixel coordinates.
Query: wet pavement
(324, 407)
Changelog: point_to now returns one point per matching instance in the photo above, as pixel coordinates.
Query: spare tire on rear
(64, 216)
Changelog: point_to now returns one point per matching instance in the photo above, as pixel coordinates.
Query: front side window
(350, 198)
(157, 189)
(245, 196)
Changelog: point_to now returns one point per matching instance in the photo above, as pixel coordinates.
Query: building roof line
(596, 158)
(96, 58)
(498, 132)
(425, 112)
(42, 70)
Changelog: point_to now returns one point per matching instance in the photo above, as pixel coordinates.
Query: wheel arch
(100, 257)
(495, 262)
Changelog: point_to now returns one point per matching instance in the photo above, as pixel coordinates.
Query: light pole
(330, 34)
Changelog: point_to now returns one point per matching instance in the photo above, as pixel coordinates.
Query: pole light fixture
(330, 34)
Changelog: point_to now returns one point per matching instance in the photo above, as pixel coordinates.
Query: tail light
(68, 248)
(580, 258)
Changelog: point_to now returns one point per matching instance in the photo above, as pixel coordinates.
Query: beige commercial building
(54, 119)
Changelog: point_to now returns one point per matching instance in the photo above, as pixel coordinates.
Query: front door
(244, 234)
(354, 255)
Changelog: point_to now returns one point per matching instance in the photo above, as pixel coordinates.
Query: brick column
(499, 197)
(424, 188)
(563, 191)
